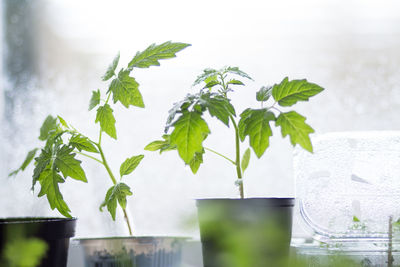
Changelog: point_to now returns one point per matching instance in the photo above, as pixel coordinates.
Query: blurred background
(55, 52)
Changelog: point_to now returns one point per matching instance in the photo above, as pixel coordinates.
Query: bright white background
(351, 48)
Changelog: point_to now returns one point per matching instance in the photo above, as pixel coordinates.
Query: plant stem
(127, 221)
(88, 156)
(106, 165)
(114, 182)
(390, 259)
(238, 169)
(219, 154)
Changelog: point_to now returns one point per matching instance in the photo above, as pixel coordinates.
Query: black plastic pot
(253, 232)
(143, 251)
(56, 232)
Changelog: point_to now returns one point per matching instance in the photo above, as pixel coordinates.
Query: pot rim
(256, 201)
(131, 237)
(25, 220)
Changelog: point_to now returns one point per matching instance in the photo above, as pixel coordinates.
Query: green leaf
(211, 84)
(24, 252)
(196, 161)
(287, 93)
(218, 106)
(235, 82)
(242, 126)
(256, 126)
(111, 69)
(130, 165)
(293, 124)
(162, 145)
(264, 93)
(155, 145)
(107, 121)
(153, 53)
(41, 163)
(180, 107)
(237, 71)
(208, 75)
(95, 100)
(49, 180)
(125, 90)
(355, 219)
(49, 124)
(28, 159)
(116, 194)
(245, 160)
(81, 142)
(69, 166)
(63, 122)
(189, 132)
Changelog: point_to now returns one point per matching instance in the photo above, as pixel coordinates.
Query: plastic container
(145, 251)
(348, 194)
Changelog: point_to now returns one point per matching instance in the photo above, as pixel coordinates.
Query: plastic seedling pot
(55, 232)
(245, 232)
(143, 251)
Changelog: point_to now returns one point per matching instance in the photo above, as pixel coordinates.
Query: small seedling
(190, 129)
(63, 143)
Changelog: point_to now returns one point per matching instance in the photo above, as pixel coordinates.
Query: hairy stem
(219, 154)
(238, 169)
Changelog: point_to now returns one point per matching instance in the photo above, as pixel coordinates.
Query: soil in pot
(146, 251)
(55, 232)
(253, 232)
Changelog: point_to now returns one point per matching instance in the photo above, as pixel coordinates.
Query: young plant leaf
(41, 163)
(196, 161)
(256, 126)
(218, 106)
(28, 159)
(49, 180)
(107, 121)
(211, 84)
(189, 132)
(288, 93)
(162, 145)
(208, 75)
(65, 161)
(154, 53)
(180, 107)
(293, 124)
(116, 194)
(241, 125)
(125, 90)
(235, 82)
(245, 160)
(111, 69)
(264, 93)
(49, 124)
(81, 142)
(95, 100)
(63, 122)
(237, 71)
(130, 165)
(156, 145)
